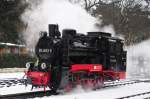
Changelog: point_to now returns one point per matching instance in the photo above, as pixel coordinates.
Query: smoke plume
(60, 12)
(138, 60)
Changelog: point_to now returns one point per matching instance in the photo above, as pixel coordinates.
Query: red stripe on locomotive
(87, 67)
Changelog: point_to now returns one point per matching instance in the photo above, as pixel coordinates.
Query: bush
(11, 60)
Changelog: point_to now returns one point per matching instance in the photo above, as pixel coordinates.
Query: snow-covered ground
(11, 70)
(11, 75)
(17, 88)
(79, 93)
(109, 93)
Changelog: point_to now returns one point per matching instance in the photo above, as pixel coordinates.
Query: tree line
(10, 22)
(130, 18)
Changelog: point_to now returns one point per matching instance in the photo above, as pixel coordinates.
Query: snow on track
(110, 93)
(12, 70)
(79, 93)
(18, 88)
(5, 76)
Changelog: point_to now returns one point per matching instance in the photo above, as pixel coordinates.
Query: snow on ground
(11, 75)
(11, 70)
(17, 88)
(108, 93)
(79, 93)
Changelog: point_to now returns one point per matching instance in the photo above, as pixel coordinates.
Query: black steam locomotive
(74, 58)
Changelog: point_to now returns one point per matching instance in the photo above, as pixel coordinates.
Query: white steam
(138, 60)
(108, 29)
(79, 89)
(59, 12)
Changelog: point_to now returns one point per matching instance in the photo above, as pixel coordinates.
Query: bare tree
(87, 4)
(10, 22)
(128, 17)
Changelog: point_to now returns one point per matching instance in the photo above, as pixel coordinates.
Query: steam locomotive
(74, 58)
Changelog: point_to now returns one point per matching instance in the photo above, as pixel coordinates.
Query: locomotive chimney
(54, 31)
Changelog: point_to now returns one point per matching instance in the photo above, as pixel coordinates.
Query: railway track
(28, 95)
(49, 93)
(136, 95)
(14, 82)
(11, 82)
(115, 84)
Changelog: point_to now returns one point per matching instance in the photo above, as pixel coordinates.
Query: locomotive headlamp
(27, 65)
(43, 65)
